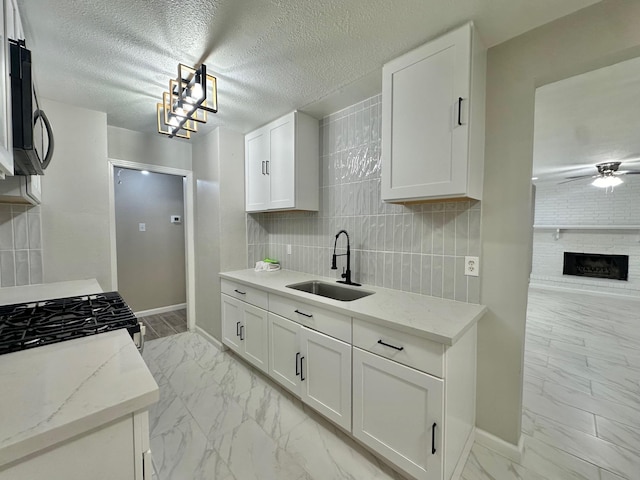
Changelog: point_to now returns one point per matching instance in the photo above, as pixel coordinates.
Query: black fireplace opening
(596, 265)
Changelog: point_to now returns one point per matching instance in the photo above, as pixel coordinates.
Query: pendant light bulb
(195, 93)
(607, 181)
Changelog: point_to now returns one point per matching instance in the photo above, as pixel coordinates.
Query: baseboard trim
(157, 311)
(506, 449)
(597, 293)
(211, 339)
(464, 455)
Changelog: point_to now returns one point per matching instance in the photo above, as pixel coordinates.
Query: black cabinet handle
(237, 329)
(297, 360)
(263, 162)
(238, 291)
(459, 110)
(301, 371)
(303, 314)
(241, 332)
(390, 346)
(433, 439)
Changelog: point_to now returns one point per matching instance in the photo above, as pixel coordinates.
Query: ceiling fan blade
(573, 179)
(631, 173)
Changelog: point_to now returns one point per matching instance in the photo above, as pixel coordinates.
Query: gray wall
(218, 167)
(596, 36)
(151, 264)
(20, 245)
(415, 248)
(75, 210)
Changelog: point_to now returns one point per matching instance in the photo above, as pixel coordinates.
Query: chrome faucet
(346, 274)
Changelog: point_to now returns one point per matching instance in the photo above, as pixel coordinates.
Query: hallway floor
(165, 324)
(219, 418)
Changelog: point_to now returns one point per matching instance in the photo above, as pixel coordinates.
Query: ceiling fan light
(607, 181)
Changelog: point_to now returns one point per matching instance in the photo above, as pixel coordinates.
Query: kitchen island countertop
(441, 320)
(55, 392)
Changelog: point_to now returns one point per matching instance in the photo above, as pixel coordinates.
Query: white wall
(75, 206)
(591, 38)
(580, 203)
(221, 238)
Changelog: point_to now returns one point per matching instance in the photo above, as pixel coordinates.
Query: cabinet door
(284, 352)
(281, 166)
(398, 411)
(326, 376)
(6, 32)
(254, 336)
(231, 322)
(256, 178)
(424, 124)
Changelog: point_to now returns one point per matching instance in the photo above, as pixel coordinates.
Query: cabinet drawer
(415, 352)
(245, 293)
(325, 321)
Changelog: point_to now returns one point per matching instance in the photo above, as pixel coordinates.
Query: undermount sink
(330, 290)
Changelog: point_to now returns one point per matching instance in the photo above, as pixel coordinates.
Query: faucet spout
(347, 272)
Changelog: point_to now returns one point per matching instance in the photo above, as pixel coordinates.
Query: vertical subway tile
(425, 275)
(397, 271)
(20, 231)
(473, 289)
(6, 230)
(407, 232)
(387, 280)
(437, 264)
(416, 265)
(7, 269)
(460, 293)
(438, 233)
(372, 267)
(398, 222)
(450, 232)
(427, 233)
(388, 233)
(462, 232)
(380, 232)
(405, 282)
(35, 267)
(416, 233)
(449, 278)
(380, 266)
(474, 232)
(22, 267)
(365, 229)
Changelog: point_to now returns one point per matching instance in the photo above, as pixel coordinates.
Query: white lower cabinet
(398, 412)
(118, 450)
(244, 330)
(314, 366)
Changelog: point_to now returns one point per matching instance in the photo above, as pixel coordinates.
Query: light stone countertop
(437, 319)
(46, 291)
(55, 392)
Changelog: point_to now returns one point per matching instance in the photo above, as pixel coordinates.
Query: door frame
(189, 215)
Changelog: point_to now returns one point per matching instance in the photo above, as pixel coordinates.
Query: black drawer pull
(297, 360)
(433, 439)
(390, 346)
(459, 110)
(302, 377)
(241, 332)
(238, 291)
(303, 314)
(237, 329)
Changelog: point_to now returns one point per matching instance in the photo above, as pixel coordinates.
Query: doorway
(152, 243)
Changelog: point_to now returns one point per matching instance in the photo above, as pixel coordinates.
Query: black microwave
(32, 134)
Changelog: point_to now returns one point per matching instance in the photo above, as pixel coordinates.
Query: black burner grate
(28, 325)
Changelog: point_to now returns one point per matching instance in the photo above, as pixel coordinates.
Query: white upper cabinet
(282, 165)
(11, 27)
(433, 120)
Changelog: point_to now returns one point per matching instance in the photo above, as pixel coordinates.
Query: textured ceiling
(588, 119)
(270, 56)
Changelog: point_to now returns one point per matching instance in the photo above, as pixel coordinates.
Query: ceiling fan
(608, 175)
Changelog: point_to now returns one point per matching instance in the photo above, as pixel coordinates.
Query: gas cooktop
(28, 325)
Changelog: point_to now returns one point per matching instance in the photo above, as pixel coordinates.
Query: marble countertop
(437, 319)
(55, 392)
(45, 291)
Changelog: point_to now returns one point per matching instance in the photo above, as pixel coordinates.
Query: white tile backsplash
(20, 245)
(415, 248)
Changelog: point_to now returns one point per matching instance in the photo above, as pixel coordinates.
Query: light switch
(142, 227)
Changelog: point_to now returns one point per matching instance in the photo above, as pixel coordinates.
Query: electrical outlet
(472, 266)
(176, 219)
(288, 249)
(142, 227)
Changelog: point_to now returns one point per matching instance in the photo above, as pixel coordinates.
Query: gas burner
(29, 325)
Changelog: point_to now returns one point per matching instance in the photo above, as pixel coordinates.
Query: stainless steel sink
(330, 290)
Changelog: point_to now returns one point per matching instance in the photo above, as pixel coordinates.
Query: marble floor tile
(615, 393)
(485, 464)
(555, 463)
(183, 453)
(189, 376)
(169, 412)
(558, 375)
(214, 412)
(547, 406)
(252, 455)
(618, 433)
